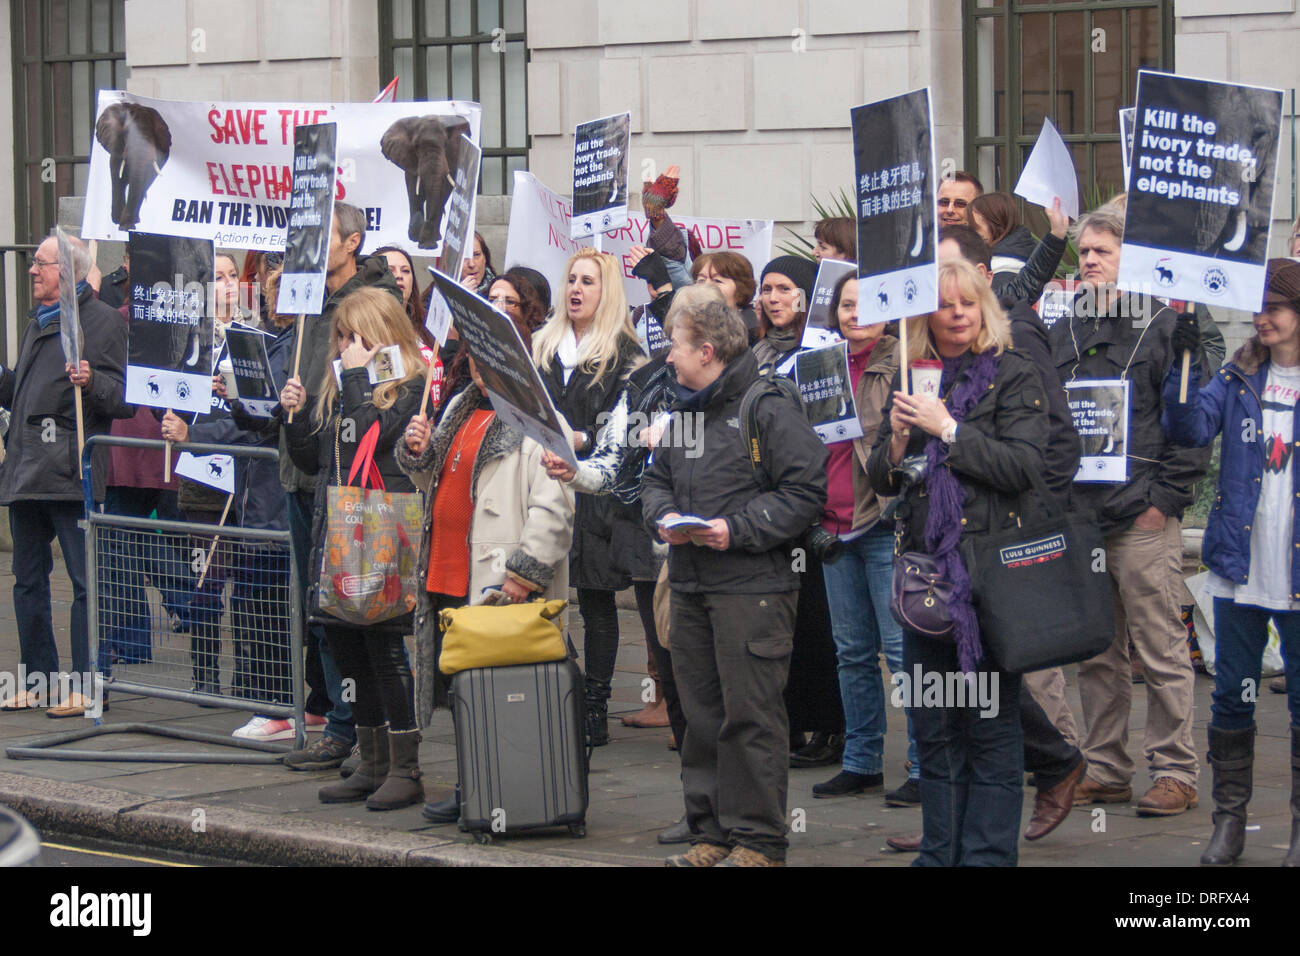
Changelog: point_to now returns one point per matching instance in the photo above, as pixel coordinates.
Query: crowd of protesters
(765, 651)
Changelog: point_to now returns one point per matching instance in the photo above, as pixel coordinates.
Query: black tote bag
(1039, 601)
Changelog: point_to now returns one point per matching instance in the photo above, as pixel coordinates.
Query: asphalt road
(75, 851)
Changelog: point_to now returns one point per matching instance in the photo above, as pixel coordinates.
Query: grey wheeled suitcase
(520, 748)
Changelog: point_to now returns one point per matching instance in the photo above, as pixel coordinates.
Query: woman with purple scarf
(959, 464)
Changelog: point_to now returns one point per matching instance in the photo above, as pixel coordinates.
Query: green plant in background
(1199, 512)
(1090, 198)
(840, 205)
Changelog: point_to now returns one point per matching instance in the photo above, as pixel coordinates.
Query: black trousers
(1047, 754)
(376, 661)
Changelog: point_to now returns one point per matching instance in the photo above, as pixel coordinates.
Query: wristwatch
(949, 433)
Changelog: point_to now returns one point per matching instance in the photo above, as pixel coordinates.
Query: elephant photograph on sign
(426, 148)
(138, 143)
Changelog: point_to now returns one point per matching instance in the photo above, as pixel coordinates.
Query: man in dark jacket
(734, 585)
(345, 273)
(40, 480)
(1111, 335)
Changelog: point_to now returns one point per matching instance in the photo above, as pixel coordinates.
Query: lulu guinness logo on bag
(1033, 552)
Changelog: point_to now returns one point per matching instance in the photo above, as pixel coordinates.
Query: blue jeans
(34, 524)
(339, 719)
(1240, 633)
(857, 591)
(972, 766)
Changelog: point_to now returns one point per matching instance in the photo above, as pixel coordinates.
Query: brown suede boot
(402, 788)
(370, 772)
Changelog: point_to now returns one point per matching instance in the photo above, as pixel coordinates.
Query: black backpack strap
(773, 384)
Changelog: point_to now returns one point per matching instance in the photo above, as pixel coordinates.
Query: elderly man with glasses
(40, 478)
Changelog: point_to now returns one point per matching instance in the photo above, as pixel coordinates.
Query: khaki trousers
(1048, 689)
(1145, 568)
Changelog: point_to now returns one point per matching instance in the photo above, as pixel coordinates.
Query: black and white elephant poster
(256, 384)
(169, 356)
(600, 149)
(461, 207)
(1200, 203)
(893, 158)
(311, 211)
(826, 388)
(224, 171)
(506, 365)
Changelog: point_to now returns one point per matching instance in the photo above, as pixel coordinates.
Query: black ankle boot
(1293, 855)
(597, 693)
(1232, 757)
(444, 811)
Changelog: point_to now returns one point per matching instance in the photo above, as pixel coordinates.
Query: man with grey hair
(40, 479)
(734, 584)
(1108, 335)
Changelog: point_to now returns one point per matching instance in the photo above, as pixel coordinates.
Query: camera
(909, 471)
(825, 546)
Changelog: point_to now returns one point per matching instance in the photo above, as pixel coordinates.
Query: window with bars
(464, 50)
(1074, 62)
(64, 53)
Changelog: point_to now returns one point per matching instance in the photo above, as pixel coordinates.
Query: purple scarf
(947, 497)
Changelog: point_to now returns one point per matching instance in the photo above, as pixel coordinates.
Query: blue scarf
(46, 314)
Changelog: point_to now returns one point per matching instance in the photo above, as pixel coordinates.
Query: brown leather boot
(1167, 798)
(370, 772)
(1090, 791)
(1052, 806)
(402, 788)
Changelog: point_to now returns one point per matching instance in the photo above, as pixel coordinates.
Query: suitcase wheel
(578, 830)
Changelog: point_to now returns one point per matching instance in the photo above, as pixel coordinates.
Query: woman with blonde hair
(367, 320)
(977, 446)
(585, 353)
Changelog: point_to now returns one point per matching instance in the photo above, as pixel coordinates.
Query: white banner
(221, 171)
(539, 237)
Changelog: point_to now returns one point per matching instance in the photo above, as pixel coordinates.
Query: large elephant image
(427, 149)
(138, 142)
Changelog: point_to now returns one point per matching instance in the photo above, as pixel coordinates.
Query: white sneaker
(266, 728)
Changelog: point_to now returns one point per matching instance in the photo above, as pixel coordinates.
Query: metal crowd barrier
(197, 613)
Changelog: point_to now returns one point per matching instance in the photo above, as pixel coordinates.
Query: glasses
(505, 300)
(40, 264)
(958, 203)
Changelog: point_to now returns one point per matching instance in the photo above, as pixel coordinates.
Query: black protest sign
(600, 149)
(69, 314)
(893, 158)
(649, 331)
(1099, 411)
(503, 362)
(459, 235)
(256, 386)
(821, 327)
(311, 211)
(827, 392)
(169, 362)
(1200, 201)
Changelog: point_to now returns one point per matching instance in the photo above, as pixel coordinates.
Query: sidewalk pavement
(267, 814)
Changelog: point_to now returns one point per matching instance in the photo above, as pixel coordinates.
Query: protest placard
(1201, 199)
(256, 384)
(1049, 173)
(893, 158)
(822, 328)
(311, 211)
(222, 171)
(1057, 301)
(649, 331)
(600, 148)
(507, 369)
(827, 391)
(539, 237)
(1099, 410)
(215, 471)
(459, 236)
(1127, 120)
(169, 359)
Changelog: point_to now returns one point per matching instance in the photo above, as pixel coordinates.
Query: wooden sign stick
(428, 380)
(297, 348)
(1186, 373)
(215, 538)
(167, 460)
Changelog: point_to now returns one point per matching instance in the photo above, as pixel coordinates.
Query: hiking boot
(371, 770)
(1090, 791)
(1166, 798)
(325, 754)
(824, 750)
(701, 854)
(908, 795)
(348, 767)
(743, 856)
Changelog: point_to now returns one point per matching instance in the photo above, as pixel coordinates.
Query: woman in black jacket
(977, 447)
(585, 353)
(324, 440)
(1021, 267)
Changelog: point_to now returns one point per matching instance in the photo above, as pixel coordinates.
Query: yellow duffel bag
(501, 635)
